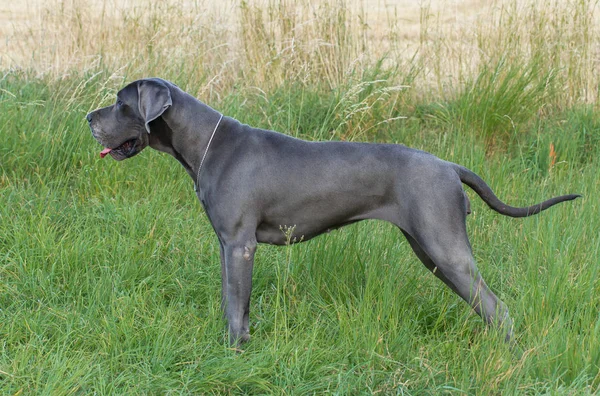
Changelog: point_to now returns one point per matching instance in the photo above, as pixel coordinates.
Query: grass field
(109, 272)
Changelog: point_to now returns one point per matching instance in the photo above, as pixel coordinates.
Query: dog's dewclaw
(104, 152)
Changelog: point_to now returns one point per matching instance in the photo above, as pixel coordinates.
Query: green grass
(110, 272)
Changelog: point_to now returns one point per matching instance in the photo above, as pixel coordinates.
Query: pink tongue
(104, 152)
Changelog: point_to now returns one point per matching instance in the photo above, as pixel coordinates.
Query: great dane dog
(252, 182)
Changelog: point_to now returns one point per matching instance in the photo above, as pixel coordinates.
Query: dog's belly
(301, 223)
(275, 235)
(283, 234)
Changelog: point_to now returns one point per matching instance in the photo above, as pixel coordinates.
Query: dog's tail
(485, 192)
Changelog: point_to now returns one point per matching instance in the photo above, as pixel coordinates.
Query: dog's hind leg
(429, 264)
(448, 255)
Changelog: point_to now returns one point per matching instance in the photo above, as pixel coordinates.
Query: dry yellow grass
(221, 44)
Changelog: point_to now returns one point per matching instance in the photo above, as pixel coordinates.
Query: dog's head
(123, 128)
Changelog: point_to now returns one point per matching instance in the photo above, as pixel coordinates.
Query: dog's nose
(89, 117)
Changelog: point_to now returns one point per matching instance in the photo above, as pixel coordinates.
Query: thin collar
(205, 152)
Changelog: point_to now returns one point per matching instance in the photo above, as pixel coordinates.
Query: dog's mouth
(125, 150)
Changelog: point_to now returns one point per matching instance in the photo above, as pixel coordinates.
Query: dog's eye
(119, 102)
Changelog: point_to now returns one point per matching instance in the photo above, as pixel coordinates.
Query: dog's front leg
(237, 286)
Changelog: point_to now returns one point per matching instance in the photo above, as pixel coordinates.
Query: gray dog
(253, 182)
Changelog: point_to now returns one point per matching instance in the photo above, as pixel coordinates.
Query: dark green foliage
(109, 272)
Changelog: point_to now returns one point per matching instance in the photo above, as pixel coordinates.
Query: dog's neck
(194, 122)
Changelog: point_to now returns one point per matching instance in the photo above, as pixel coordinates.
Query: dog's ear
(154, 97)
